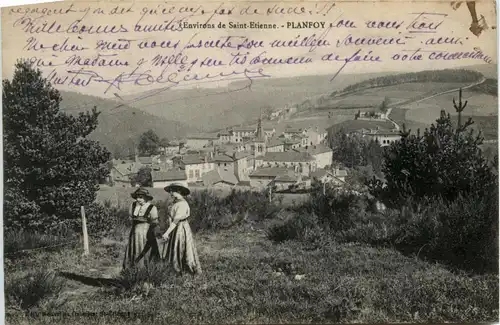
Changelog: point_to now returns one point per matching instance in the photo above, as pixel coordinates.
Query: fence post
(270, 195)
(84, 231)
(324, 187)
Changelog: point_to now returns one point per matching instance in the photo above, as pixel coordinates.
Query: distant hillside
(120, 127)
(489, 87)
(447, 75)
(215, 108)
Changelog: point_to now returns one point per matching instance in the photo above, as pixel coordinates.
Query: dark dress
(142, 246)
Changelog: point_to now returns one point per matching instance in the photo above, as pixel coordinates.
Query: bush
(300, 227)
(338, 208)
(210, 211)
(33, 289)
(462, 233)
(105, 219)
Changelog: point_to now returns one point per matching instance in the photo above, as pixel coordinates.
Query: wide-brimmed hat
(142, 191)
(177, 187)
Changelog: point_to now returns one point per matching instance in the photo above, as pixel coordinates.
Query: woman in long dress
(142, 246)
(180, 249)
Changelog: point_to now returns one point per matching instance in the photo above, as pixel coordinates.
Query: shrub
(462, 233)
(104, 219)
(31, 290)
(303, 227)
(210, 211)
(338, 208)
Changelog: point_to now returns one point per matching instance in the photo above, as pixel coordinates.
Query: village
(246, 156)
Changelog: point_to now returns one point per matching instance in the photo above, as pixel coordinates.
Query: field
(246, 280)
(396, 94)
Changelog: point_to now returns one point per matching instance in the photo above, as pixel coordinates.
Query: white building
(321, 153)
(195, 165)
(383, 137)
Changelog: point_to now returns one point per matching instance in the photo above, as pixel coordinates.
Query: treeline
(447, 75)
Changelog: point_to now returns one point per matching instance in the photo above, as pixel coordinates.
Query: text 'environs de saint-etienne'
(174, 61)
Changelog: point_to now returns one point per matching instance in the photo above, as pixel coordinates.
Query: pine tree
(50, 167)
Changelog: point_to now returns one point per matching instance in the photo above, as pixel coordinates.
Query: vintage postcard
(255, 162)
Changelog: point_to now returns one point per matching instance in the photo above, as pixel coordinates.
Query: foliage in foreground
(34, 290)
(462, 233)
(445, 162)
(246, 281)
(51, 168)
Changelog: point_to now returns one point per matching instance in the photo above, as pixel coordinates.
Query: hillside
(439, 76)
(119, 127)
(215, 108)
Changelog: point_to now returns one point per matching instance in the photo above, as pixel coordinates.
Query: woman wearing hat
(142, 245)
(180, 250)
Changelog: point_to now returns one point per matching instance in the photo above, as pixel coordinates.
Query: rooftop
(269, 172)
(288, 156)
(217, 176)
(193, 159)
(168, 175)
(314, 150)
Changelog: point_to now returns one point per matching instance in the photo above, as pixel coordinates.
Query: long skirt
(142, 246)
(180, 250)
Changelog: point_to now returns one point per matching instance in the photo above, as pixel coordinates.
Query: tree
(50, 167)
(143, 177)
(443, 163)
(149, 143)
(164, 142)
(384, 105)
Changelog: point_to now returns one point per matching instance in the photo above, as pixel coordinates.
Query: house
(316, 136)
(198, 141)
(383, 136)
(335, 177)
(195, 165)
(244, 163)
(291, 181)
(223, 177)
(144, 160)
(301, 161)
(238, 133)
(164, 178)
(275, 145)
(290, 144)
(262, 177)
(269, 132)
(321, 153)
(122, 172)
(293, 132)
(225, 136)
(173, 147)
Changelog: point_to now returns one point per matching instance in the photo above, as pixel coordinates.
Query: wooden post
(270, 193)
(324, 188)
(84, 231)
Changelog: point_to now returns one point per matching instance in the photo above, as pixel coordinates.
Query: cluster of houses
(240, 156)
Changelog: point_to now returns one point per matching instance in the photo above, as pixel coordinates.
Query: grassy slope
(118, 126)
(217, 108)
(239, 285)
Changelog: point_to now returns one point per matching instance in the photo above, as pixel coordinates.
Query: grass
(246, 279)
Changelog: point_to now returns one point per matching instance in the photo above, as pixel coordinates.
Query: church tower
(259, 142)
